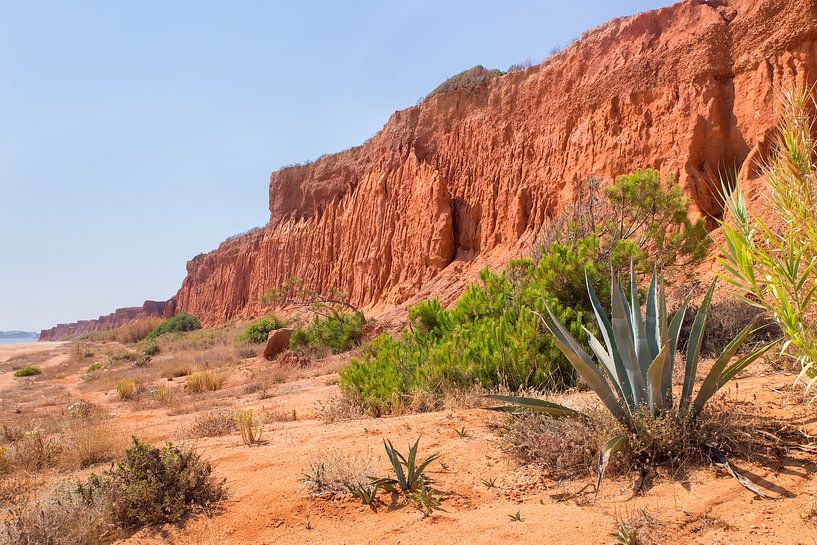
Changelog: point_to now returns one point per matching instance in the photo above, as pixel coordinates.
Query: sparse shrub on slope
(337, 332)
(178, 323)
(258, 331)
(467, 80)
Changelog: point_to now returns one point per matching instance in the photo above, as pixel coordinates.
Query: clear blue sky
(136, 134)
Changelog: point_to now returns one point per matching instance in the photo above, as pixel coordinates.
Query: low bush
(154, 485)
(177, 324)
(27, 371)
(152, 349)
(96, 366)
(491, 337)
(336, 332)
(248, 350)
(60, 517)
(258, 331)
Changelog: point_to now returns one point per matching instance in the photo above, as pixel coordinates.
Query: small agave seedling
(636, 358)
(366, 494)
(408, 474)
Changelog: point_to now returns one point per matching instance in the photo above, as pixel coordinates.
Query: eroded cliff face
(468, 178)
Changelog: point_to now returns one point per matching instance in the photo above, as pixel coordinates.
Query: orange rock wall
(464, 180)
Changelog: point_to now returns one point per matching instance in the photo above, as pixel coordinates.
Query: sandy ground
(267, 503)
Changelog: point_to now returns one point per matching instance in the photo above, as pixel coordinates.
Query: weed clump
(27, 371)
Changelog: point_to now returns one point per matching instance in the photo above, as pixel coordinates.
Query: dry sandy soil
(268, 504)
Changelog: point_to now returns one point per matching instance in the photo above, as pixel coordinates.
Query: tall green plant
(772, 263)
(635, 362)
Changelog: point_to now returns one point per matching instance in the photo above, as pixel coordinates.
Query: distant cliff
(120, 317)
(468, 177)
(5, 335)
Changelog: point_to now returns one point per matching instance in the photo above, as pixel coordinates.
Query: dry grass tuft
(213, 424)
(127, 389)
(129, 333)
(202, 381)
(278, 414)
(60, 517)
(338, 409)
(88, 445)
(330, 473)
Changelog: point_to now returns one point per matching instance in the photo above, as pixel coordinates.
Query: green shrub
(27, 371)
(154, 485)
(178, 323)
(258, 331)
(152, 349)
(491, 338)
(337, 332)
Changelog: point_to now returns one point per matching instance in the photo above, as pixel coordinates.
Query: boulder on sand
(277, 342)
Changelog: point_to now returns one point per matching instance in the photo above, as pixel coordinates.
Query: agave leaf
(410, 462)
(425, 463)
(642, 349)
(603, 356)
(656, 395)
(654, 335)
(395, 463)
(537, 405)
(623, 336)
(694, 348)
(720, 459)
(607, 450)
(609, 340)
(574, 352)
(743, 362)
(715, 379)
(671, 337)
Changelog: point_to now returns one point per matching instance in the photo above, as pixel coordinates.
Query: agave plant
(408, 473)
(635, 362)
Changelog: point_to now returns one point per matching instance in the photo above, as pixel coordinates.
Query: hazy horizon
(140, 135)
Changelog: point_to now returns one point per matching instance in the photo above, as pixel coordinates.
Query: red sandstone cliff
(467, 178)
